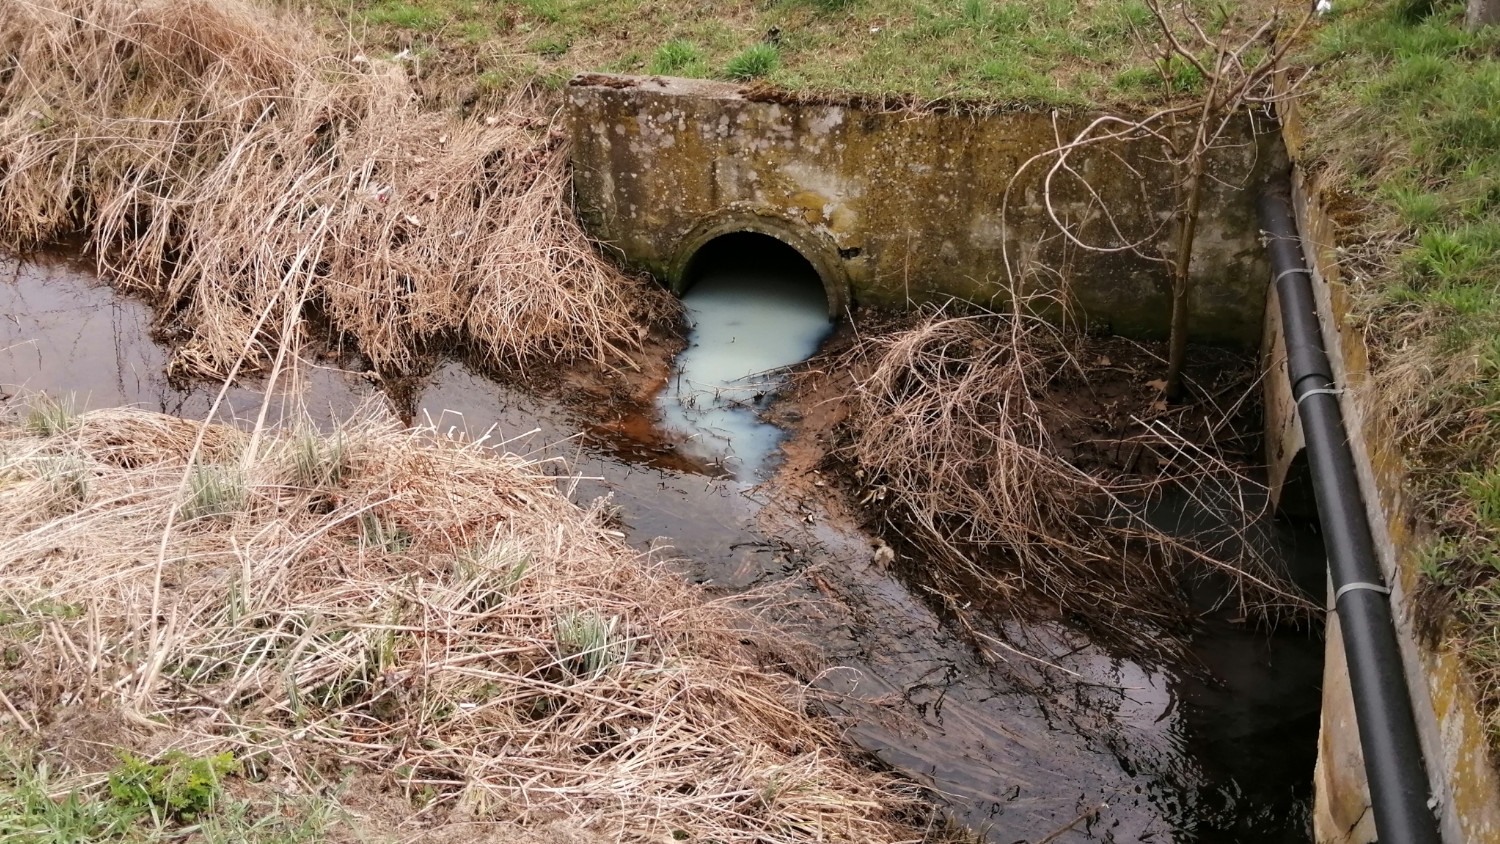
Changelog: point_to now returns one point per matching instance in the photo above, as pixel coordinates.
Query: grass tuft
(49, 417)
(755, 62)
(67, 479)
(215, 491)
(589, 644)
(494, 572)
(317, 462)
(382, 535)
(677, 58)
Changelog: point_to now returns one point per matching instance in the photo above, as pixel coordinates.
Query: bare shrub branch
(951, 430)
(1184, 134)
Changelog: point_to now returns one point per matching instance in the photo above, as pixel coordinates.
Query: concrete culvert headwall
(897, 207)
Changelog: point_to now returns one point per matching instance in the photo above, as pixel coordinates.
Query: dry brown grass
(951, 431)
(229, 164)
(419, 607)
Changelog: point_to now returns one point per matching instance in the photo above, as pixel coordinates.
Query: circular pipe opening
(753, 260)
(754, 238)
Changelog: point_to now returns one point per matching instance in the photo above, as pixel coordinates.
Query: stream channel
(1015, 749)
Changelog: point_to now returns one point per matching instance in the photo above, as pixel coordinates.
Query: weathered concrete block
(894, 206)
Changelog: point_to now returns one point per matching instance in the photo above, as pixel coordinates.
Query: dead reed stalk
(951, 432)
(412, 605)
(217, 154)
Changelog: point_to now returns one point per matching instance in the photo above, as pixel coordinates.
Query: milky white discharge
(751, 315)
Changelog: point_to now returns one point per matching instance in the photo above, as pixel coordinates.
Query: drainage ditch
(1218, 748)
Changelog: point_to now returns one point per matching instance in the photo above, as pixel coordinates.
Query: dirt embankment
(433, 614)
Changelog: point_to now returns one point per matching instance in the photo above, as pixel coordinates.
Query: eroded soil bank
(1216, 747)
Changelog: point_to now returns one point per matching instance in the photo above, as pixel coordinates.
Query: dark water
(64, 334)
(1017, 749)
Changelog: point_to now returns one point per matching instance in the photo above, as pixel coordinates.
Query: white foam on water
(751, 316)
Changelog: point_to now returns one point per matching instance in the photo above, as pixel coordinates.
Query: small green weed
(318, 462)
(490, 574)
(755, 62)
(1173, 77)
(550, 47)
(495, 80)
(475, 33)
(588, 643)
(1482, 489)
(1434, 564)
(1417, 207)
(49, 417)
(375, 533)
(180, 787)
(67, 477)
(56, 610)
(215, 491)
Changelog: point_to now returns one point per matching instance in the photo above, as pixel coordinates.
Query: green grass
(215, 492)
(1034, 53)
(50, 416)
(179, 798)
(1405, 120)
(677, 58)
(755, 62)
(405, 16)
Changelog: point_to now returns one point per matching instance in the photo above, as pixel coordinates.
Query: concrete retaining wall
(1453, 737)
(895, 206)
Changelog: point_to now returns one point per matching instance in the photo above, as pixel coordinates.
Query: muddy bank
(1013, 746)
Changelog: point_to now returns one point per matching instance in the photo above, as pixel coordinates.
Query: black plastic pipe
(1399, 789)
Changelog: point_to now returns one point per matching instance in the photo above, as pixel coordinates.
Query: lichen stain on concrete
(906, 207)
